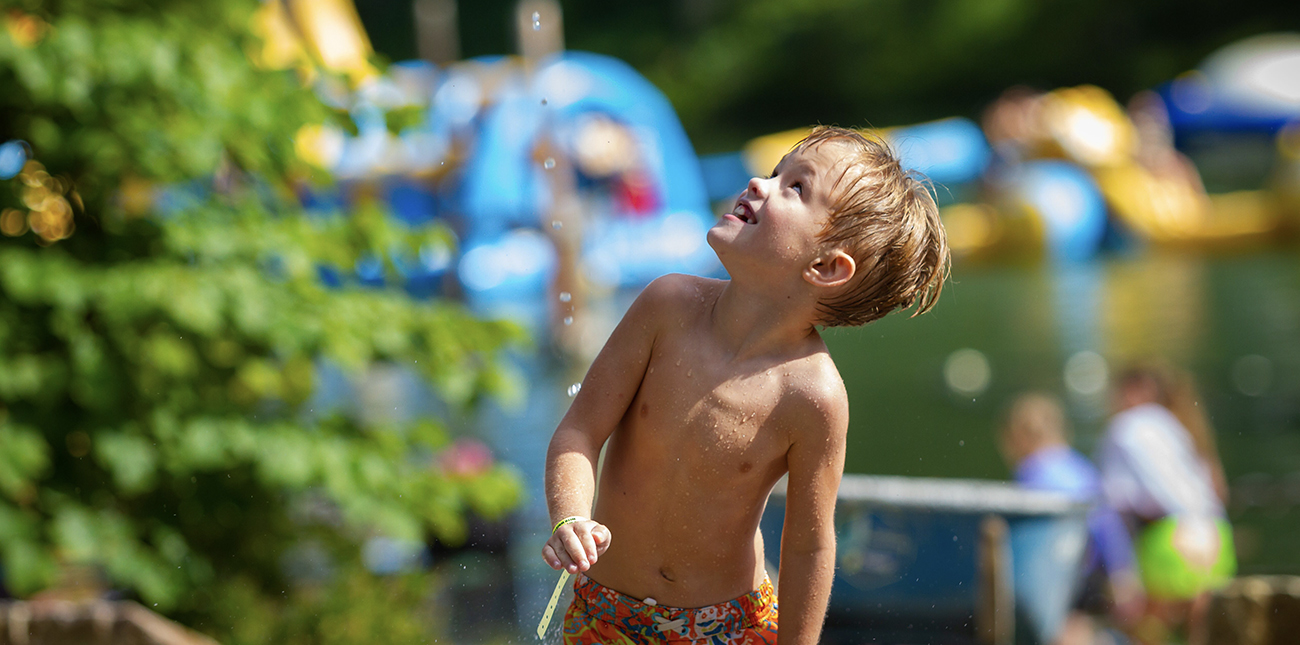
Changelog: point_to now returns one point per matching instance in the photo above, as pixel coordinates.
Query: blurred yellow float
(306, 33)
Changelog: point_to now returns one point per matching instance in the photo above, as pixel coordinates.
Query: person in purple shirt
(1034, 442)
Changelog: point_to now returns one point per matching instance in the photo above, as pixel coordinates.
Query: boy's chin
(721, 242)
(721, 234)
(714, 237)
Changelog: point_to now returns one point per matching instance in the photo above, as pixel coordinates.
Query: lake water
(1233, 320)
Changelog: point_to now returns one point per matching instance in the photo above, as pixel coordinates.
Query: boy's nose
(755, 186)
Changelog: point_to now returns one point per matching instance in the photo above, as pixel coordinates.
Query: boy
(709, 391)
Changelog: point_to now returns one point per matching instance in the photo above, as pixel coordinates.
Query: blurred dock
(100, 622)
(947, 561)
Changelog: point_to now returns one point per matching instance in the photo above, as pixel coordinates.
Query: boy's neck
(755, 320)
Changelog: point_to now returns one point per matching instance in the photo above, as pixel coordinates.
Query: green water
(1215, 315)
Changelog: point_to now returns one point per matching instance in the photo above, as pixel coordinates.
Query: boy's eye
(798, 187)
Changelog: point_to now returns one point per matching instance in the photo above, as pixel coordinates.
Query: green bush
(156, 369)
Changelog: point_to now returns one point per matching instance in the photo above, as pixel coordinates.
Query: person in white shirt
(1160, 470)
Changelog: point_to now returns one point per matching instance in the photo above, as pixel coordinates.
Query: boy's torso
(687, 472)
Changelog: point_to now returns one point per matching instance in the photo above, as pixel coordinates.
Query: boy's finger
(565, 560)
(602, 537)
(548, 555)
(588, 545)
(575, 551)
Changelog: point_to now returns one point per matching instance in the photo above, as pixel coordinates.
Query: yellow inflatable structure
(304, 34)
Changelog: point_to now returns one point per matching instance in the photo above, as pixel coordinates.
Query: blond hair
(1037, 419)
(885, 218)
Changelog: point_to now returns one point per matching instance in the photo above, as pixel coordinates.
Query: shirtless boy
(709, 391)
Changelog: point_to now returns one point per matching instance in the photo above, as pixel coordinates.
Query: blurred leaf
(24, 455)
(130, 459)
(29, 566)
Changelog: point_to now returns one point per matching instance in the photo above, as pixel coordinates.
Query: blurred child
(709, 391)
(1160, 469)
(1034, 442)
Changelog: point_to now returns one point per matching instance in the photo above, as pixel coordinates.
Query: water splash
(574, 389)
(537, 21)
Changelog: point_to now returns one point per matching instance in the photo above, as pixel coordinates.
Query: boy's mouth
(743, 212)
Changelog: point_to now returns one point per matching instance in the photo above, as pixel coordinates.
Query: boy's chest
(709, 408)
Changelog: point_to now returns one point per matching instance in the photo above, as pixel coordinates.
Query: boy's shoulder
(679, 287)
(814, 397)
(673, 297)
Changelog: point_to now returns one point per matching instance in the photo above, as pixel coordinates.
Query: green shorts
(1180, 557)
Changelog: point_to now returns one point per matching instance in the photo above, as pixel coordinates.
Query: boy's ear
(830, 269)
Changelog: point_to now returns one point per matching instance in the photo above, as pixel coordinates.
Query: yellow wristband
(568, 520)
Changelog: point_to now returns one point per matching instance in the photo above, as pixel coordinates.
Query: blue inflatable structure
(505, 184)
(948, 151)
(1067, 202)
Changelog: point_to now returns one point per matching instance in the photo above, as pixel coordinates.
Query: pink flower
(466, 458)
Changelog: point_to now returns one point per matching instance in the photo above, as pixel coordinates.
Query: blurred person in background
(1034, 441)
(1160, 470)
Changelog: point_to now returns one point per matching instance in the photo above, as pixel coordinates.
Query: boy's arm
(607, 391)
(816, 463)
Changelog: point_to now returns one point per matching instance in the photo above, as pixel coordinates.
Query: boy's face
(777, 221)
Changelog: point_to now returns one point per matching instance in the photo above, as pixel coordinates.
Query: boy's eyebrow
(795, 166)
(808, 170)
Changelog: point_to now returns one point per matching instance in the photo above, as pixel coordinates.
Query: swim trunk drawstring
(663, 624)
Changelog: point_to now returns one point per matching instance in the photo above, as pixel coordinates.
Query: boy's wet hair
(885, 218)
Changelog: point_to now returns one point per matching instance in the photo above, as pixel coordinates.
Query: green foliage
(157, 370)
(353, 607)
(159, 90)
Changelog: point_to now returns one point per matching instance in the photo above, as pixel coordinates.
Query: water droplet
(557, 224)
(549, 163)
(537, 21)
(689, 373)
(962, 442)
(543, 101)
(565, 296)
(573, 389)
(568, 320)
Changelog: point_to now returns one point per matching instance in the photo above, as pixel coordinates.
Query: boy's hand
(575, 546)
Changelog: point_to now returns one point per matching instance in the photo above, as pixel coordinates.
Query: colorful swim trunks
(601, 615)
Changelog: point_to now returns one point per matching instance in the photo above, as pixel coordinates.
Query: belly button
(663, 571)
